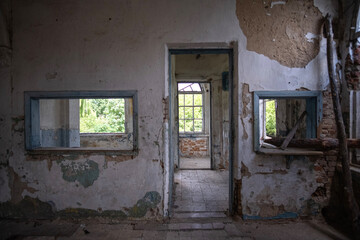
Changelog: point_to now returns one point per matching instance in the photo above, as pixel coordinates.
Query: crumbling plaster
(122, 45)
(5, 83)
(277, 29)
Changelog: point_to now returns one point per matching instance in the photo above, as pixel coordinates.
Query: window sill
(290, 152)
(193, 135)
(355, 168)
(103, 134)
(101, 151)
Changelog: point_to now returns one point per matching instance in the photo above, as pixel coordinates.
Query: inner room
(201, 114)
(194, 125)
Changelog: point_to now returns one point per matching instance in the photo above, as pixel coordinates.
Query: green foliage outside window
(190, 112)
(270, 122)
(102, 115)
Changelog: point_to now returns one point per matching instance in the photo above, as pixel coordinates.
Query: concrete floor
(207, 228)
(195, 163)
(199, 213)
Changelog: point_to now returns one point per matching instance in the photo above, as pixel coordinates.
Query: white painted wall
(122, 45)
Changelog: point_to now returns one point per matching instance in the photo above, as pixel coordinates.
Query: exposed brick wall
(324, 169)
(325, 165)
(328, 124)
(328, 176)
(194, 146)
(336, 211)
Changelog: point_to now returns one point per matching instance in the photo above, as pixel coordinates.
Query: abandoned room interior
(165, 119)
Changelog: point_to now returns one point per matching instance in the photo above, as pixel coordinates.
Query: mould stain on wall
(149, 201)
(30, 207)
(144, 205)
(281, 31)
(84, 172)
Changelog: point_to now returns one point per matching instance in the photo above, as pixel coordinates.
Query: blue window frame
(33, 136)
(313, 109)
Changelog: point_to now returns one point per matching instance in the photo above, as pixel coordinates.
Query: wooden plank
(292, 132)
(291, 152)
(317, 143)
(351, 206)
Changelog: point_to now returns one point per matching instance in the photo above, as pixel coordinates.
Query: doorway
(200, 151)
(194, 124)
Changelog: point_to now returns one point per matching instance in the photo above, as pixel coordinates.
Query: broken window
(276, 113)
(190, 108)
(104, 120)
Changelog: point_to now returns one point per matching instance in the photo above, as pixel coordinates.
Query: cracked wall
(121, 45)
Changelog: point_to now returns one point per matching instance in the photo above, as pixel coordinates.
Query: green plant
(102, 115)
(270, 121)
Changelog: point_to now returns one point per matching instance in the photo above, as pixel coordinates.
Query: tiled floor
(195, 163)
(201, 191)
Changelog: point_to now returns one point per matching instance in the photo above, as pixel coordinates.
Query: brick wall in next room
(194, 146)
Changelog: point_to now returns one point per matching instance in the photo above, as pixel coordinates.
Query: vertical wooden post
(350, 202)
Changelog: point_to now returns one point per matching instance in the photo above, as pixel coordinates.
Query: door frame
(230, 53)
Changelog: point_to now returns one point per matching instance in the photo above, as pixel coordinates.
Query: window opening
(102, 115)
(354, 129)
(277, 112)
(190, 99)
(270, 118)
(355, 25)
(99, 120)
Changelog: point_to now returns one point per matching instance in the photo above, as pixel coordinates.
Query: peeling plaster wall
(5, 98)
(286, 31)
(270, 188)
(5, 191)
(5, 83)
(70, 45)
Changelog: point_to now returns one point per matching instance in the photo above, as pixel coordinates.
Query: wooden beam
(316, 143)
(292, 132)
(350, 203)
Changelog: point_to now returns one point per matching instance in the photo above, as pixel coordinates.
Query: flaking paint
(85, 60)
(86, 173)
